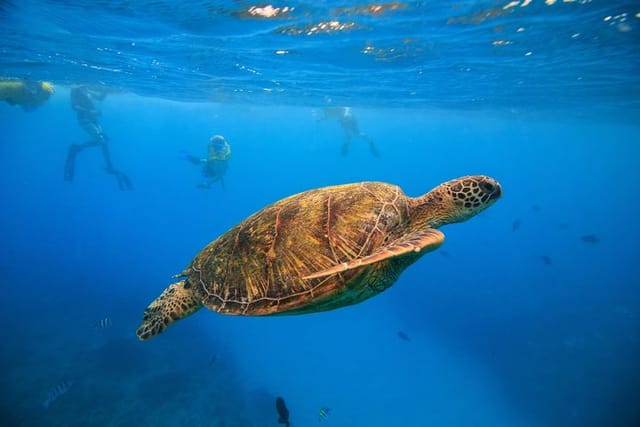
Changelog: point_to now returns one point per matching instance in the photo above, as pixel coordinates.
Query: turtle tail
(176, 302)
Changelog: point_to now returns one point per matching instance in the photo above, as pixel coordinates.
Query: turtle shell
(262, 265)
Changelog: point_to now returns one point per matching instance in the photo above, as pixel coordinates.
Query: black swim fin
(124, 182)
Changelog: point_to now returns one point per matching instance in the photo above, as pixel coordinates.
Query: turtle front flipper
(176, 302)
(427, 241)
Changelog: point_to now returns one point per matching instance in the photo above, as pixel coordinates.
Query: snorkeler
(87, 114)
(26, 94)
(348, 122)
(215, 165)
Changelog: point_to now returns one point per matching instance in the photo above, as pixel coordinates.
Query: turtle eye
(488, 187)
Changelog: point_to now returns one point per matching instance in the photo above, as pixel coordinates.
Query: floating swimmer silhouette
(349, 125)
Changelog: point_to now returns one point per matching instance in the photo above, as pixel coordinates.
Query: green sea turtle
(318, 250)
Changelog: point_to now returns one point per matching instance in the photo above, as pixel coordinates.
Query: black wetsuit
(87, 116)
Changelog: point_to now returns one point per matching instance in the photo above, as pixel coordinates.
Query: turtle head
(179, 300)
(460, 199)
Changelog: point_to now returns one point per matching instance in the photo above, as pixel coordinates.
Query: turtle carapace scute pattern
(318, 250)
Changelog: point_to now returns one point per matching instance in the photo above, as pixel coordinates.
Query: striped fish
(103, 323)
(56, 392)
(323, 413)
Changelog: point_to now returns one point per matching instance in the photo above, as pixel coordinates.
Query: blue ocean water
(528, 315)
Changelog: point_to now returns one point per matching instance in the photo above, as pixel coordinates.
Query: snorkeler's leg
(208, 183)
(124, 183)
(372, 145)
(93, 128)
(107, 157)
(70, 163)
(344, 150)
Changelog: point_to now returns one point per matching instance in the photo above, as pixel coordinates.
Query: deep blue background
(543, 96)
(497, 336)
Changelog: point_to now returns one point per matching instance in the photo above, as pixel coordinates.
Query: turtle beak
(492, 188)
(497, 193)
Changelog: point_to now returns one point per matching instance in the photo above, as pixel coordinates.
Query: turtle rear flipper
(176, 302)
(428, 240)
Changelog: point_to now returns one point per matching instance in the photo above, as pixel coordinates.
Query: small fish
(323, 413)
(590, 238)
(546, 260)
(283, 412)
(103, 323)
(515, 225)
(535, 208)
(213, 360)
(56, 392)
(403, 336)
(563, 226)
(444, 253)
